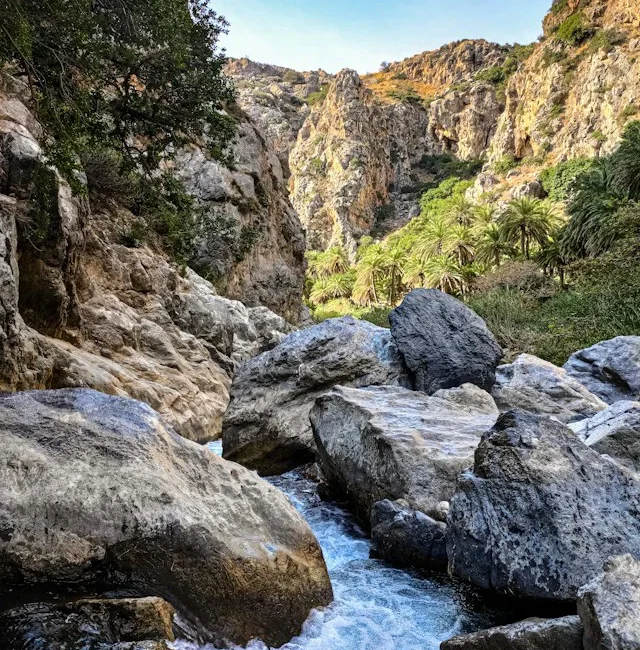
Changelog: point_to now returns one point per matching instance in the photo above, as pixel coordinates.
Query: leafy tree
(444, 273)
(395, 259)
(369, 272)
(492, 246)
(323, 264)
(140, 77)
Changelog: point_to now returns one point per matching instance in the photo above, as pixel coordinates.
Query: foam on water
(376, 607)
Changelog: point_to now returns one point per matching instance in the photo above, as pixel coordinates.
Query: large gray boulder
(615, 432)
(406, 537)
(96, 489)
(98, 624)
(266, 427)
(391, 443)
(443, 343)
(539, 387)
(533, 634)
(540, 512)
(609, 607)
(610, 369)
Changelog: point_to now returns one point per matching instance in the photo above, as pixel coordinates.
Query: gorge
(317, 361)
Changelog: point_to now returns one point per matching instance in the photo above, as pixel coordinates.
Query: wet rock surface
(443, 343)
(541, 512)
(97, 490)
(117, 624)
(392, 443)
(406, 537)
(267, 427)
(532, 634)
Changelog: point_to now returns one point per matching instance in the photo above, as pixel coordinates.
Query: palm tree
(551, 258)
(327, 263)
(462, 244)
(395, 259)
(485, 215)
(415, 270)
(527, 221)
(369, 271)
(462, 211)
(334, 286)
(492, 246)
(443, 273)
(435, 238)
(625, 162)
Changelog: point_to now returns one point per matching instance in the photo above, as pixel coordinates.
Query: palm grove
(546, 274)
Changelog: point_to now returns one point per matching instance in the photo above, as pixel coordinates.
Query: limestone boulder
(609, 606)
(532, 634)
(391, 443)
(267, 427)
(98, 490)
(539, 387)
(610, 369)
(540, 512)
(443, 343)
(615, 432)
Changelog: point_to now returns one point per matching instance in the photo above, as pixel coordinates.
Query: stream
(376, 607)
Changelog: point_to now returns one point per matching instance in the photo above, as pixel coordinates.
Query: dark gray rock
(100, 624)
(609, 607)
(266, 426)
(444, 344)
(540, 512)
(532, 634)
(539, 387)
(614, 432)
(96, 489)
(406, 537)
(387, 442)
(610, 369)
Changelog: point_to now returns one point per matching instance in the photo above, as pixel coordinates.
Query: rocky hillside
(84, 306)
(364, 152)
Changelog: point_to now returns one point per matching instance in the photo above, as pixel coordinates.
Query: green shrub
(606, 39)
(505, 164)
(317, 165)
(559, 181)
(317, 98)
(135, 235)
(293, 77)
(629, 112)
(443, 166)
(575, 29)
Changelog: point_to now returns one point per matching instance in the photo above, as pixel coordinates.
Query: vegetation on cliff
(549, 276)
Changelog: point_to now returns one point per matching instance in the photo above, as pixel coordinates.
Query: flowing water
(376, 607)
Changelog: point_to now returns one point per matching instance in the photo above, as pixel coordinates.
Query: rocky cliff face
(80, 309)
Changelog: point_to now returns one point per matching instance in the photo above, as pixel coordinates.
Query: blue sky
(360, 34)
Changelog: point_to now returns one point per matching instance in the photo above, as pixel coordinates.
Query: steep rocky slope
(362, 154)
(81, 309)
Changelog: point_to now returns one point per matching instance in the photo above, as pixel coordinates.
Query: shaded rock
(266, 427)
(533, 634)
(539, 387)
(610, 369)
(444, 344)
(609, 607)
(91, 623)
(540, 512)
(391, 443)
(408, 538)
(615, 432)
(96, 489)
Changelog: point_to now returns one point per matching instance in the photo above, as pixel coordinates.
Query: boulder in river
(537, 386)
(615, 432)
(541, 512)
(98, 490)
(266, 426)
(106, 624)
(610, 369)
(443, 343)
(387, 442)
(533, 634)
(406, 537)
(609, 607)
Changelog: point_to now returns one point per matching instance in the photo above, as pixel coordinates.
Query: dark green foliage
(559, 181)
(140, 77)
(443, 166)
(575, 29)
(499, 75)
(626, 164)
(505, 164)
(319, 96)
(606, 39)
